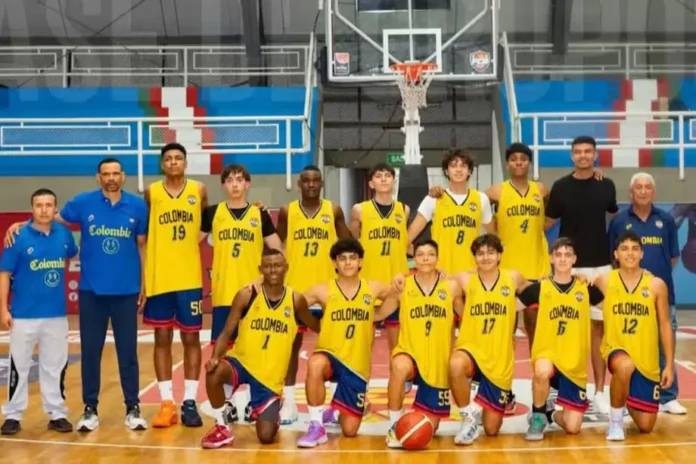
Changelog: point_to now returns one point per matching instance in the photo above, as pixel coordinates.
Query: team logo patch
(30, 250)
(398, 218)
(131, 220)
(90, 218)
(367, 299)
(442, 294)
(254, 222)
(658, 224)
(536, 198)
(473, 207)
(191, 200)
(480, 60)
(628, 226)
(579, 296)
(325, 218)
(287, 311)
(505, 291)
(645, 291)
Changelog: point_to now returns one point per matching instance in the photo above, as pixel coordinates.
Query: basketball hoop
(413, 79)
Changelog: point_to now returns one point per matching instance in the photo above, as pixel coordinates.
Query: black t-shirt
(530, 296)
(267, 227)
(581, 205)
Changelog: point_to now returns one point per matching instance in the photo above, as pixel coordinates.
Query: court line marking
(352, 451)
(154, 383)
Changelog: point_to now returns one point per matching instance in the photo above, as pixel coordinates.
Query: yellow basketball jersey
(630, 323)
(173, 257)
(520, 220)
(237, 249)
(308, 244)
(563, 329)
(488, 325)
(454, 229)
(346, 328)
(385, 240)
(266, 335)
(425, 332)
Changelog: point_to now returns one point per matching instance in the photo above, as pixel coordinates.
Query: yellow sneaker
(167, 415)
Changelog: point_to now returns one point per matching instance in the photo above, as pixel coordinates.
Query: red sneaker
(217, 437)
(511, 406)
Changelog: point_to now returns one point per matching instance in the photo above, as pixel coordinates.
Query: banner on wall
(72, 275)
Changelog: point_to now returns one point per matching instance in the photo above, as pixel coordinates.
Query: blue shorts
(489, 395)
(430, 400)
(570, 395)
(643, 393)
(183, 309)
(351, 389)
(316, 312)
(261, 395)
(220, 315)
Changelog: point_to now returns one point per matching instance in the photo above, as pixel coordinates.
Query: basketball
(414, 430)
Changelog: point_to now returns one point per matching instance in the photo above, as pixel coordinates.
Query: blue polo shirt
(660, 242)
(37, 262)
(109, 258)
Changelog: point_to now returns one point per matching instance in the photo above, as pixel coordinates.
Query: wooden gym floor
(674, 439)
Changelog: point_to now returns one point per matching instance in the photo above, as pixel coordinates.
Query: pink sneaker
(217, 437)
(316, 435)
(329, 416)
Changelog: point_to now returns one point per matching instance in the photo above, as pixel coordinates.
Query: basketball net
(413, 79)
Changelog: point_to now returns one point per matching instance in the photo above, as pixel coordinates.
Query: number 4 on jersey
(524, 226)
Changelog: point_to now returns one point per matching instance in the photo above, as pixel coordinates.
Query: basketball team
(450, 323)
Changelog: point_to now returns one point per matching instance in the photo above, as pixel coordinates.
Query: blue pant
(95, 312)
(672, 392)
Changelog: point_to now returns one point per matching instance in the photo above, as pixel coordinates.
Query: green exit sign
(395, 159)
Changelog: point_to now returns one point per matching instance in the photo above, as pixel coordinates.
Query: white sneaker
(89, 420)
(134, 420)
(392, 441)
(601, 402)
(673, 407)
(468, 433)
(288, 413)
(616, 431)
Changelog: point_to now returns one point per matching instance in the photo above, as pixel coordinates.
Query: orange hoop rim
(412, 72)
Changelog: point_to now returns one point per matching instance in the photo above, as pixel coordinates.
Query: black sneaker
(10, 427)
(248, 415)
(60, 425)
(230, 413)
(189, 414)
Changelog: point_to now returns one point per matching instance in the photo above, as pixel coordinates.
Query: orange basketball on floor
(414, 430)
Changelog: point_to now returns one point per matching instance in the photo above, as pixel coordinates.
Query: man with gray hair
(658, 233)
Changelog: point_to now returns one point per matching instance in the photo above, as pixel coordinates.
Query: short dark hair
(562, 242)
(628, 236)
(346, 245)
(108, 161)
(172, 146)
(312, 167)
(41, 192)
(380, 167)
(487, 240)
(584, 139)
(427, 242)
(234, 169)
(518, 148)
(268, 251)
(460, 154)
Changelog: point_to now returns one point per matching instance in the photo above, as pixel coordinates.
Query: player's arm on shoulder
(521, 282)
(612, 206)
(268, 230)
(389, 305)
(554, 205)
(72, 249)
(303, 313)
(240, 301)
(342, 230)
(487, 215)
(356, 220)
(282, 224)
(207, 221)
(425, 215)
(661, 293)
(600, 281)
(462, 278)
(530, 295)
(596, 295)
(493, 194)
(317, 295)
(457, 296)
(203, 192)
(544, 191)
(379, 290)
(146, 197)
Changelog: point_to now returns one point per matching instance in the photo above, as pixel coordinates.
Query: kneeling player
(484, 349)
(427, 305)
(261, 353)
(560, 352)
(343, 351)
(636, 319)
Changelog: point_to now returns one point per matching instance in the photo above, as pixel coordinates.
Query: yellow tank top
(520, 220)
(237, 249)
(173, 257)
(385, 240)
(346, 328)
(307, 246)
(630, 323)
(454, 228)
(266, 335)
(425, 332)
(563, 329)
(487, 328)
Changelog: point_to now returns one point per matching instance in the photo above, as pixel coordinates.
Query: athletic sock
(539, 409)
(315, 413)
(549, 415)
(464, 412)
(394, 417)
(228, 392)
(165, 389)
(190, 389)
(219, 418)
(616, 414)
(289, 395)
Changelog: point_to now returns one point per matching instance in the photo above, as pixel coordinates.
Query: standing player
(484, 349)
(343, 351)
(381, 226)
(428, 303)
(582, 202)
(261, 353)
(308, 227)
(457, 216)
(560, 352)
(174, 281)
(238, 232)
(636, 319)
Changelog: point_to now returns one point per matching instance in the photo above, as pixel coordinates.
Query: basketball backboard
(364, 37)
